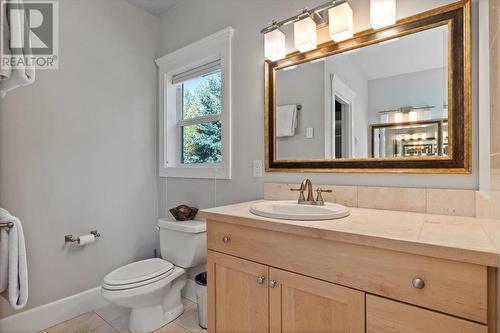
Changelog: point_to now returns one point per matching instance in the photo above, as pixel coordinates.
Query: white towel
(286, 120)
(13, 267)
(21, 75)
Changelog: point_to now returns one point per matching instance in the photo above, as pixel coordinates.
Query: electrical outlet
(257, 168)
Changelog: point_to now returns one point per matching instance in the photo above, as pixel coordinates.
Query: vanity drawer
(386, 316)
(452, 287)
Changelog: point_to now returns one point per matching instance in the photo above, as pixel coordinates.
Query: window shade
(196, 72)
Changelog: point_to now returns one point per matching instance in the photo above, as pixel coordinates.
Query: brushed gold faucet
(307, 185)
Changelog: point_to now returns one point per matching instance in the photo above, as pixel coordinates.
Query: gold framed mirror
(394, 100)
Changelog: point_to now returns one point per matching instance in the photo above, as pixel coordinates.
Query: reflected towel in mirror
(286, 121)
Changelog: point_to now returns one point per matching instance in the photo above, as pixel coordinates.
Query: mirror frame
(457, 17)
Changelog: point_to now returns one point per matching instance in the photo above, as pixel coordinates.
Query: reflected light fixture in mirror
(305, 34)
(340, 22)
(398, 117)
(382, 13)
(274, 45)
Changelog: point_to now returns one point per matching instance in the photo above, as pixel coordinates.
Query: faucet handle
(319, 197)
(301, 190)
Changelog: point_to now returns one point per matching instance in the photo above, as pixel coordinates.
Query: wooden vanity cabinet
(248, 297)
(268, 281)
(302, 304)
(387, 316)
(238, 295)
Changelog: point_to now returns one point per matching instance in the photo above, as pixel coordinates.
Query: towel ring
(6, 225)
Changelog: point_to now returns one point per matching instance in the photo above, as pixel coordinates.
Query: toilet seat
(138, 274)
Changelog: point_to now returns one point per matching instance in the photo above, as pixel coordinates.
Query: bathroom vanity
(373, 271)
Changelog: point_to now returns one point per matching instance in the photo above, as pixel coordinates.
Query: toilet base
(149, 319)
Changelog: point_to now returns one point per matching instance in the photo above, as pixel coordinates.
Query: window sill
(196, 172)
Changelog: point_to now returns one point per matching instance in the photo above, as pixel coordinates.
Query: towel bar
(7, 225)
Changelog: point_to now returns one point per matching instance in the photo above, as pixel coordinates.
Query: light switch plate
(309, 132)
(257, 168)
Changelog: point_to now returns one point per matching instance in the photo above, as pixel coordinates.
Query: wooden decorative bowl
(183, 212)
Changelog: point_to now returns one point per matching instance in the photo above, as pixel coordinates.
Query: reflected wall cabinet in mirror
(396, 99)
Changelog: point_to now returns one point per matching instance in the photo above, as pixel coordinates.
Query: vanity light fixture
(305, 25)
(274, 45)
(304, 32)
(340, 22)
(382, 13)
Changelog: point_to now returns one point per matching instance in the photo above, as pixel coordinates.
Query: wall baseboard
(189, 291)
(47, 315)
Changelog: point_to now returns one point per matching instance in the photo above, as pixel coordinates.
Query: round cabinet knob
(418, 283)
(226, 239)
(261, 279)
(272, 283)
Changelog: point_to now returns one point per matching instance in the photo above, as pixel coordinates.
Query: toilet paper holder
(71, 239)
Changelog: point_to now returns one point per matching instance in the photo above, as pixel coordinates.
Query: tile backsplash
(419, 200)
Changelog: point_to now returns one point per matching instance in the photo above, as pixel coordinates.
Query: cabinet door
(238, 295)
(386, 316)
(303, 304)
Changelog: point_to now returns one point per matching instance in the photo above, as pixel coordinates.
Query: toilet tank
(183, 243)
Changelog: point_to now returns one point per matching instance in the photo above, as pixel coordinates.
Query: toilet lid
(195, 226)
(139, 271)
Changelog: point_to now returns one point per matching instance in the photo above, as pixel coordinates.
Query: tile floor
(114, 319)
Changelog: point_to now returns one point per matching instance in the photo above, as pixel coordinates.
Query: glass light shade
(304, 32)
(382, 13)
(274, 45)
(340, 22)
(398, 117)
(413, 116)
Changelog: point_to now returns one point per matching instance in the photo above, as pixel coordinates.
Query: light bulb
(382, 13)
(340, 22)
(274, 45)
(304, 32)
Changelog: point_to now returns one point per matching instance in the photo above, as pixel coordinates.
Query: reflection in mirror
(385, 100)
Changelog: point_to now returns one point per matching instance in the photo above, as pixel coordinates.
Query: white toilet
(152, 287)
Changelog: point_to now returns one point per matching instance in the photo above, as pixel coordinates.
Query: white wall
(424, 88)
(191, 20)
(303, 85)
(78, 150)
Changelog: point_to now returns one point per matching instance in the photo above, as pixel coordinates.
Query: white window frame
(214, 47)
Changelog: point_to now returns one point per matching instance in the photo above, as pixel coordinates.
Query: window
(195, 113)
(199, 102)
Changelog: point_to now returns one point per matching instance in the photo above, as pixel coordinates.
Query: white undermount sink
(291, 210)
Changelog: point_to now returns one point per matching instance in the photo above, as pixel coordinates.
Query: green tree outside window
(201, 143)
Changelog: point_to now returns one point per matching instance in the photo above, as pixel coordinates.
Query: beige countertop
(464, 239)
